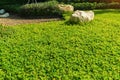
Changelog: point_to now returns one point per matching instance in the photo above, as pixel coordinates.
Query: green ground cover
(57, 51)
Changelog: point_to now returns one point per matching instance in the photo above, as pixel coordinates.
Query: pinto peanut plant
(58, 51)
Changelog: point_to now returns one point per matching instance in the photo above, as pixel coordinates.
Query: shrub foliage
(84, 6)
(40, 10)
(89, 6)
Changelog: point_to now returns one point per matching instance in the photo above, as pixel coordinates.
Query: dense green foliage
(84, 6)
(91, 6)
(25, 1)
(56, 51)
(12, 8)
(108, 6)
(44, 9)
(74, 1)
(8, 2)
(50, 9)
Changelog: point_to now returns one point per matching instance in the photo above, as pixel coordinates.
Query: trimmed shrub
(84, 6)
(44, 9)
(101, 6)
(91, 6)
(114, 5)
(104, 1)
(74, 1)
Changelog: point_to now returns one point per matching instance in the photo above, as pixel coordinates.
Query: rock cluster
(3, 13)
(78, 15)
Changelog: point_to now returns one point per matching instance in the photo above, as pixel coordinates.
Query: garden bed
(16, 20)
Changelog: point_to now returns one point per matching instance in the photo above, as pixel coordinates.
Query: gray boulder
(4, 15)
(82, 16)
(2, 11)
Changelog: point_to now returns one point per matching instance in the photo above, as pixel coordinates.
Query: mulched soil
(16, 20)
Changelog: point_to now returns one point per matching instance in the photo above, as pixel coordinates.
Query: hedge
(45, 9)
(91, 6)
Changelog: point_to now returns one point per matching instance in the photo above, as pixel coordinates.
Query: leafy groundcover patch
(57, 51)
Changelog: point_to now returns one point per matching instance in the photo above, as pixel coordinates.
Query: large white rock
(2, 11)
(4, 15)
(66, 8)
(82, 16)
